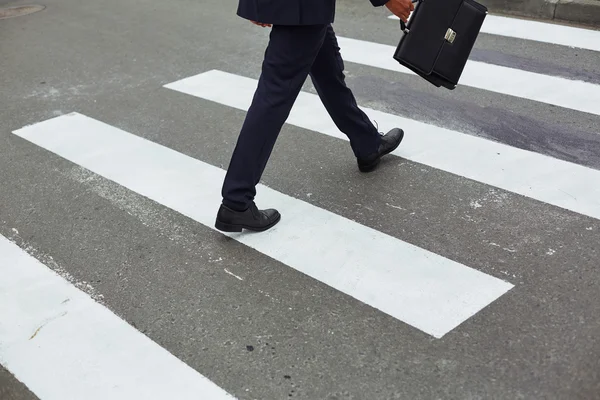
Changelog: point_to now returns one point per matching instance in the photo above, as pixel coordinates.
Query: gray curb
(581, 11)
(585, 12)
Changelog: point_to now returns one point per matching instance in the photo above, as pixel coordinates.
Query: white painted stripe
(63, 345)
(423, 289)
(576, 95)
(530, 174)
(545, 32)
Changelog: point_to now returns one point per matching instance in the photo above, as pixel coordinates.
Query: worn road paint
(561, 92)
(544, 32)
(527, 173)
(62, 344)
(421, 288)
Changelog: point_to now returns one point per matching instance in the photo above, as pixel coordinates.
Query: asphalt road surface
(466, 267)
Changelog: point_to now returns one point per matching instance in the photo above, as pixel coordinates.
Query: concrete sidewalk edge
(581, 12)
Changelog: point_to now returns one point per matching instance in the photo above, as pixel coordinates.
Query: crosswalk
(543, 32)
(421, 289)
(73, 334)
(575, 95)
(492, 163)
(190, 187)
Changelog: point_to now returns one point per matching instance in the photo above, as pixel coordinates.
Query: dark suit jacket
(291, 12)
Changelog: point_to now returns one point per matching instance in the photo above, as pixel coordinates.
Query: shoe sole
(224, 227)
(374, 164)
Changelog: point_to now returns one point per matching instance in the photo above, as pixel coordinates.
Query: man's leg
(288, 59)
(327, 74)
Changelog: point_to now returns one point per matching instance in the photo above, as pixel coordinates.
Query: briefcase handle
(402, 24)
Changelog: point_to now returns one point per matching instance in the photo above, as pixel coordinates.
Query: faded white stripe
(544, 32)
(423, 289)
(576, 95)
(530, 174)
(63, 345)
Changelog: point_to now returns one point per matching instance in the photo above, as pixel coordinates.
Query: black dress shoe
(389, 142)
(252, 219)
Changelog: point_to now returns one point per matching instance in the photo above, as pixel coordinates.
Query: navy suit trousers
(293, 53)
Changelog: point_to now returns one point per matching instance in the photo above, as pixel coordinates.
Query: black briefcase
(438, 39)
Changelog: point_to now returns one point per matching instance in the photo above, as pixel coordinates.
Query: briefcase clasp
(450, 35)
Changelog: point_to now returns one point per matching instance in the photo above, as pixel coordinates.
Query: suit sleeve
(378, 3)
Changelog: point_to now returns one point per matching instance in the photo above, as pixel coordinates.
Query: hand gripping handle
(402, 24)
